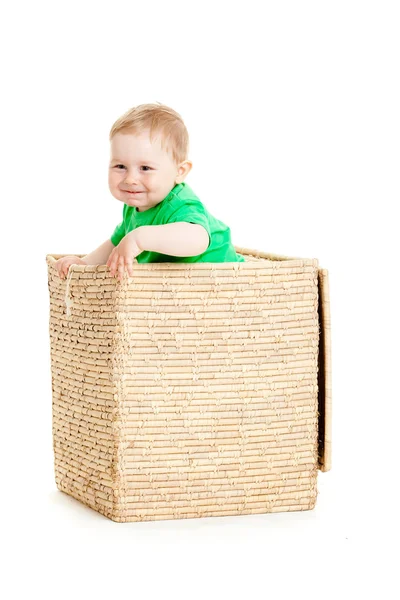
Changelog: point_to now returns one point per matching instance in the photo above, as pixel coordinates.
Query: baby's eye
(116, 166)
(145, 167)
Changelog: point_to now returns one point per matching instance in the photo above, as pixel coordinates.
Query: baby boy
(163, 219)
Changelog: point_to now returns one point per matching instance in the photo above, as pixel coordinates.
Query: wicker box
(191, 389)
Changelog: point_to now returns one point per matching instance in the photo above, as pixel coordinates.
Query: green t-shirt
(181, 204)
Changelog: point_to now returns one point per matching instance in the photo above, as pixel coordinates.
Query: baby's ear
(183, 169)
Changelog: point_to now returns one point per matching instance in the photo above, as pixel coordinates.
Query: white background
(293, 115)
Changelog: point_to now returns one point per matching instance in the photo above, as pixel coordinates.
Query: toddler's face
(141, 173)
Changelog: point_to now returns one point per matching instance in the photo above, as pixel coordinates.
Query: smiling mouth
(129, 192)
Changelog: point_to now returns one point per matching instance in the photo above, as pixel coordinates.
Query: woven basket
(191, 389)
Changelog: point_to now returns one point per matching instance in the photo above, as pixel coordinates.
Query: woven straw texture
(191, 389)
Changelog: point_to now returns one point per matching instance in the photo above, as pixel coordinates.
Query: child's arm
(174, 239)
(100, 255)
(97, 257)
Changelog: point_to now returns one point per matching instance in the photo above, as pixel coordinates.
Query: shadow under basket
(191, 389)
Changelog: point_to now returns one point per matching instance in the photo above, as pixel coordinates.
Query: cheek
(113, 179)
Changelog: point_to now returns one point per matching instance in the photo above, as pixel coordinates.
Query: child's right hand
(63, 264)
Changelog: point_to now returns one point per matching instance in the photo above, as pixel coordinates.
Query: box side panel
(83, 401)
(324, 375)
(218, 391)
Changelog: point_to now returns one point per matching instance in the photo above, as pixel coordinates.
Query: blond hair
(160, 120)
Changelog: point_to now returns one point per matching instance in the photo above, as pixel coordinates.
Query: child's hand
(63, 264)
(122, 256)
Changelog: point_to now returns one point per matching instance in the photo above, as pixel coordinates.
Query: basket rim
(51, 258)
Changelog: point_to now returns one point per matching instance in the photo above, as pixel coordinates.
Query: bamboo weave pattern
(187, 390)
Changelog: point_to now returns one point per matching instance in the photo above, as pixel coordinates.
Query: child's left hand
(122, 256)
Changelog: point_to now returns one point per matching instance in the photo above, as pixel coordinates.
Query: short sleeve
(119, 231)
(191, 211)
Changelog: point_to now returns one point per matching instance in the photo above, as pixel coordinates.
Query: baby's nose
(131, 178)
